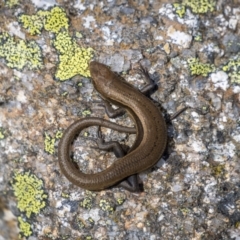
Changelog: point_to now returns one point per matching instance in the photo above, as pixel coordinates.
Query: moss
(20, 54)
(73, 60)
(198, 68)
(233, 70)
(28, 190)
(197, 6)
(25, 228)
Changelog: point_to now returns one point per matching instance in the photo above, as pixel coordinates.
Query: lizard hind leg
(131, 183)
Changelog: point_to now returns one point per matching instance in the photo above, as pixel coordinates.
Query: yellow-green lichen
(106, 206)
(56, 19)
(64, 94)
(2, 134)
(24, 227)
(197, 6)
(49, 143)
(198, 37)
(65, 195)
(52, 21)
(200, 6)
(28, 190)
(20, 54)
(218, 170)
(86, 202)
(85, 134)
(237, 224)
(65, 237)
(11, 3)
(184, 211)
(120, 201)
(34, 24)
(80, 223)
(86, 112)
(180, 9)
(198, 68)
(73, 59)
(78, 35)
(91, 221)
(59, 134)
(16, 78)
(233, 69)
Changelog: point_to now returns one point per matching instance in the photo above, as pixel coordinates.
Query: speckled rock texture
(191, 50)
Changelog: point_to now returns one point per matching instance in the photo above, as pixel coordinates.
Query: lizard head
(102, 76)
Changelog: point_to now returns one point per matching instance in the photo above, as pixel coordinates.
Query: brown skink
(150, 128)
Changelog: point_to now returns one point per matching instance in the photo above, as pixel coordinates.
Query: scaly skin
(150, 129)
